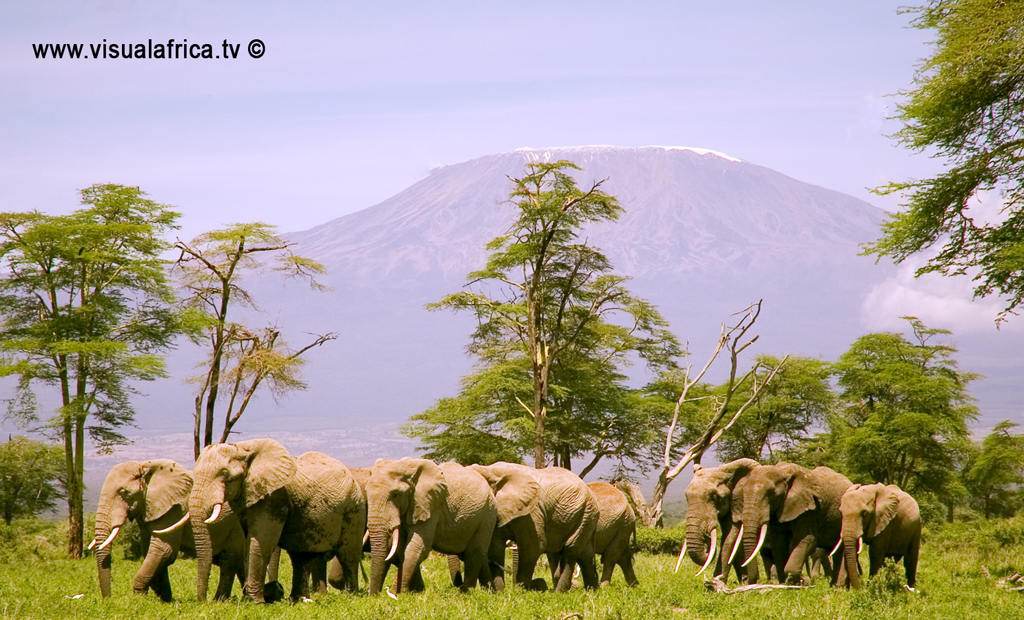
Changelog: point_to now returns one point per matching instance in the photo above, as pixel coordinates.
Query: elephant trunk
(111, 515)
(755, 529)
(198, 513)
(380, 545)
(851, 534)
(698, 538)
(383, 527)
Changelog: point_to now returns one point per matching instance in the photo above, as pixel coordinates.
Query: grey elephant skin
(714, 504)
(616, 527)
(888, 520)
(415, 506)
(796, 510)
(308, 506)
(154, 494)
(548, 511)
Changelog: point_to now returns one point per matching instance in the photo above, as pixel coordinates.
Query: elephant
(714, 506)
(415, 506)
(546, 510)
(888, 520)
(616, 525)
(796, 510)
(155, 494)
(308, 506)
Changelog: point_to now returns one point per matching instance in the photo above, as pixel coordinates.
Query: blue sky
(353, 102)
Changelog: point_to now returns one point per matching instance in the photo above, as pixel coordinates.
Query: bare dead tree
(734, 340)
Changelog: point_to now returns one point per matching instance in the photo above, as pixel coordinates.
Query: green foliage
(241, 359)
(994, 472)
(555, 331)
(799, 397)
(30, 472)
(967, 107)
(656, 541)
(905, 407)
(85, 307)
(885, 590)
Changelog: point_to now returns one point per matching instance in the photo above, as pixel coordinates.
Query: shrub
(660, 541)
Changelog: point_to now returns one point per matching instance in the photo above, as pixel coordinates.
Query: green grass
(36, 583)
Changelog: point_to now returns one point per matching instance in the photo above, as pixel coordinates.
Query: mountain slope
(686, 211)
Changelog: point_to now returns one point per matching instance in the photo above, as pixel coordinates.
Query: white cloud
(939, 301)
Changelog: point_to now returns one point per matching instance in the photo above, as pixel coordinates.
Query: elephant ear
(802, 494)
(269, 467)
(167, 484)
(516, 490)
(886, 503)
(431, 489)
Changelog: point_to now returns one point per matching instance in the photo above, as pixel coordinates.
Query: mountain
(686, 211)
(702, 235)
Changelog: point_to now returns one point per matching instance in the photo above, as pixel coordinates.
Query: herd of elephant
(790, 515)
(243, 502)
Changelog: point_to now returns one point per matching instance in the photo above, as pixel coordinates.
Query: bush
(658, 541)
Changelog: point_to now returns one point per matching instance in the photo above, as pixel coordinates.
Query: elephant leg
(454, 566)
(527, 562)
(564, 582)
(158, 557)
(161, 585)
(474, 563)
(302, 565)
(496, 564)
(876, 557)
(318, 574)
(416, 582)
(627, 569)
(225, 580)
(797, 557)
(588, 567)
(263, 536)
(910, 561)
(337, 574)
(556, 562)
(607, 569)
(415, 553)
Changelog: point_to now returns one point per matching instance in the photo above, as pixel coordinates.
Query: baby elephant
(888, 521)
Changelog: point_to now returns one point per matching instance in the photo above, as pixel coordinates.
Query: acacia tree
(31, 473)
(551, 316)
(799, 398)
(995, 471)
(210, 269)
(906, 407)
(966, 107)
(86, 307)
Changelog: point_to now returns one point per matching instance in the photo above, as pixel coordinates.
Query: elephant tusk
(860, 545)
(711, 552)
(366, 537)
(736, 545)
(394, 546)
(173, 527)
(679, 561)
(92, 544)
(836, 548)
(757, 547)
(110, 538)
(216, 513)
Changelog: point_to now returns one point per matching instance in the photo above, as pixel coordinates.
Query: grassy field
(957, 579)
